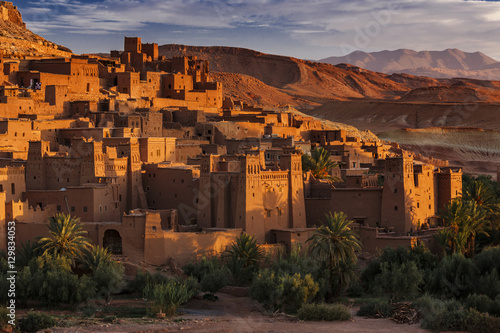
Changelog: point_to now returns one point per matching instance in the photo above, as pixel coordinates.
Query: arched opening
(113, 241)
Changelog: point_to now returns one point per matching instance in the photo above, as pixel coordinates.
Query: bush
(440, 315)
(355, 290)
(143, 279)
(109, 319)
(376, 310)
(4, 319)
(277, 291)
(481, 303)
(295, 263)
(35, 321)
(423, 259)
(400, 281)
(481, 322)
(488, 260)
(215, 281)
(316, 312)
(53, 281)
(108, 279)
(167, 296)
(203, 267)
(455, 277)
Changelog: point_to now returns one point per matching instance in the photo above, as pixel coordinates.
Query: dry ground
(237, 314)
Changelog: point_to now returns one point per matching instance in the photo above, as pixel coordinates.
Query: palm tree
(318, 163)
(465, 221)
(243, 257)
(483, 196)
(94, 257)
(245, 248)
(454, 214)
(475, 225)
(27, 251)
(66, 237)
(335, 244)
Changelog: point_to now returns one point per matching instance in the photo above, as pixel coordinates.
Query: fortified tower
(296, 205)
(398, 194)
(449, 184)
(35, 170)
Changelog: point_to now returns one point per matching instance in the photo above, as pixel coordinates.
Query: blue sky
(307, 29)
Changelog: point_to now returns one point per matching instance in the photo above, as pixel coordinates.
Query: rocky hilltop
(305, 82)
(439, 64)
(18, 41)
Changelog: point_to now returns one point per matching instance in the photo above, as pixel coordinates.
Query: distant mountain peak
(451, 62)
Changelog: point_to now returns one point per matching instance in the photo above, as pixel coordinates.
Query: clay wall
(12, 182)
(185, 247)
(151, 124)
(293, 239)
(16, 134)
(128, 83)
(91, 203)
(67, 134)
(172, 187)
(185, 149)
(11, 107)
(157, 150)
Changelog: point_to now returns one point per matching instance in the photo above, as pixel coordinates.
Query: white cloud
(416, 24)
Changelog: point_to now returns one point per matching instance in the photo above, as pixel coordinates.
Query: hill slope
(440, 64)
(302, 80)
(17, 41)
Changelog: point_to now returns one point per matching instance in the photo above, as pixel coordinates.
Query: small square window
(395, 207)
(85, 209)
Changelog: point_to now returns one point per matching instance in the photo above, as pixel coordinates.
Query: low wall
(185, 247)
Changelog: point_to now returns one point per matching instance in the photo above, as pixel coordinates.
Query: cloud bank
(310, 29)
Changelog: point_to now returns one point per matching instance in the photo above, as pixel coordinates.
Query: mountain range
(439, 64)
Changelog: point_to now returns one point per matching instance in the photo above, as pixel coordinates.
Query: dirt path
(241, 314)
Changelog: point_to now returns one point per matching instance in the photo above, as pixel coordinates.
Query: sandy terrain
(241, 314)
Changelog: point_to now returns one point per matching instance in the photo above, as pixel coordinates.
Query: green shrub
(423, 259)
(139, 282)
(108, 278)
(167, 296)
(35, 321)
(440, 315)
(455, 277)
(488, 260)
(54, 282)
(296, 263)
(192, 285)
(203, 267)
(376, 310)
(327, 312)
(488, 284)
(276, 291)
(400, 281)
(109, 319)
(143, 279)
(4, 319)
(481, 303)
(215, 281)
(355, 290)
(481, 322)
